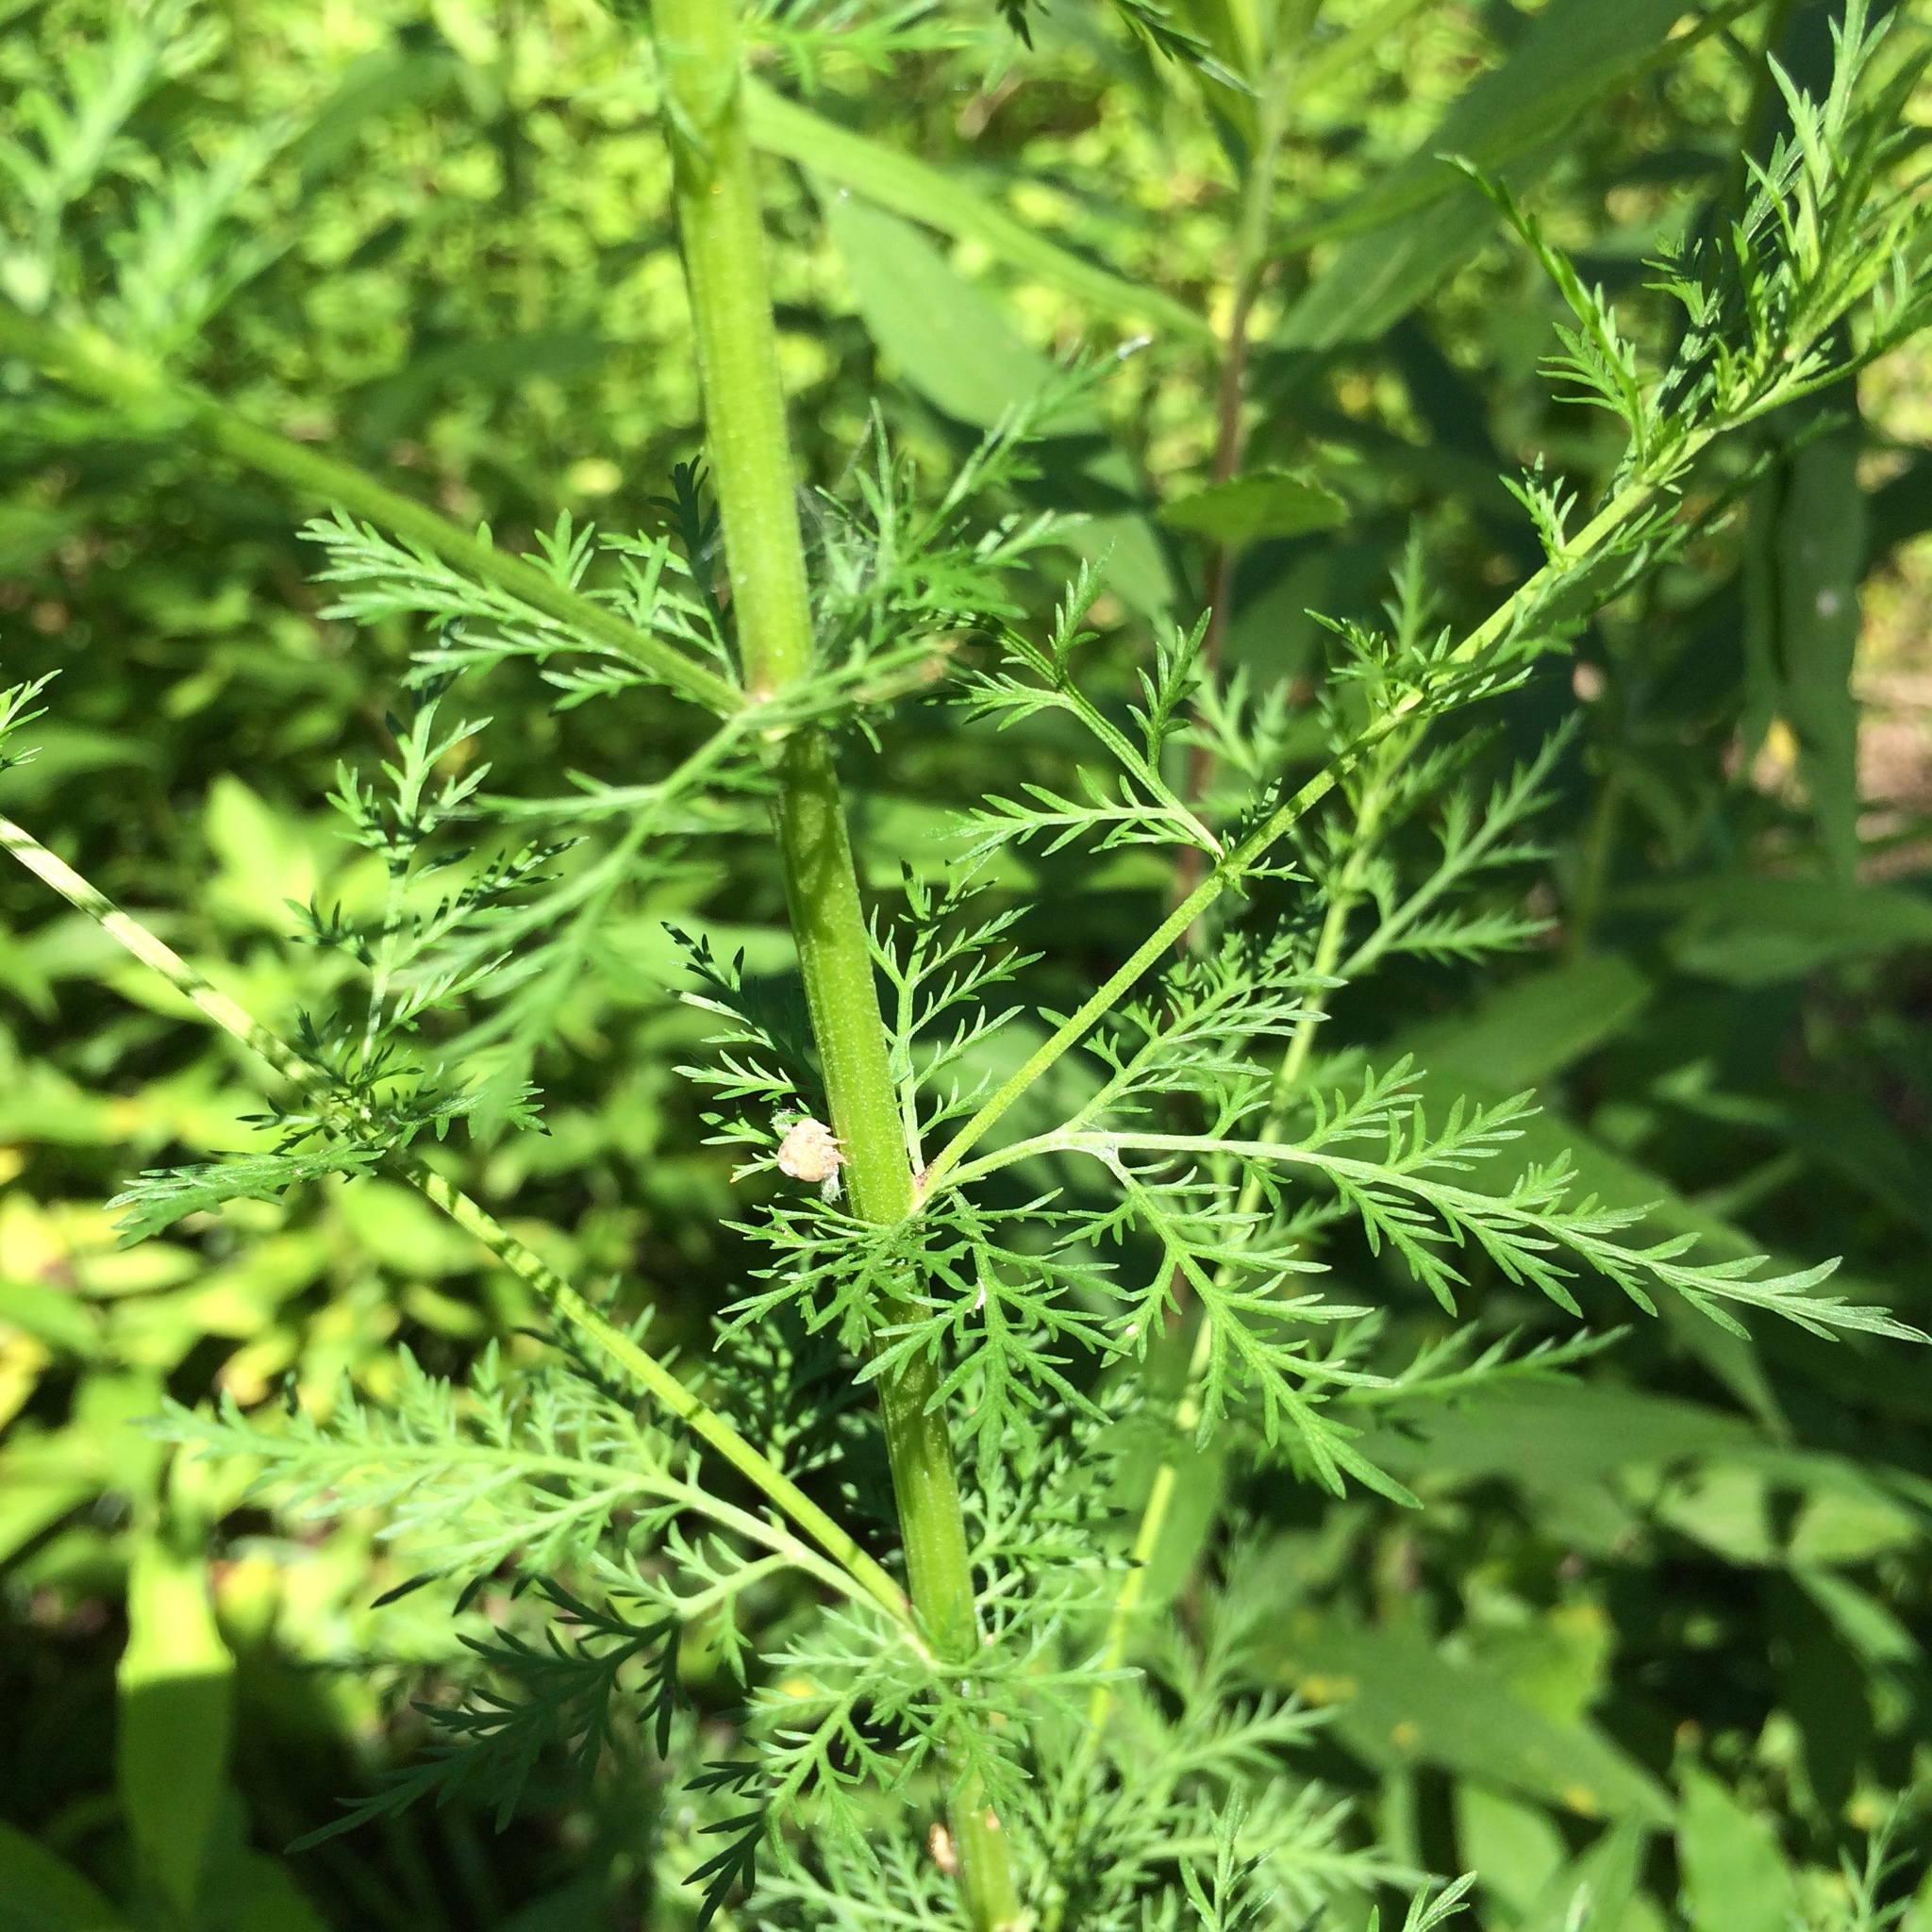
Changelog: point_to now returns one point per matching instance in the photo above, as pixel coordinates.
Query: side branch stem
(1342, 900)
(704, 1422)
(1629, 503)
(84, 360)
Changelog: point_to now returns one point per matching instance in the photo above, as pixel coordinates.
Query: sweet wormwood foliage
(999, 1286)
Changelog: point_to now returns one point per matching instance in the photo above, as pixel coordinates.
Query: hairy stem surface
(721, 228)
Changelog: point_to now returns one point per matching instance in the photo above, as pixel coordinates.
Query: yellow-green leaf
(176, 1705)
(909, 186)
(1735, 1877)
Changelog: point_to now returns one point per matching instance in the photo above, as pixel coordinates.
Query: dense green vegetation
(1547, 1538)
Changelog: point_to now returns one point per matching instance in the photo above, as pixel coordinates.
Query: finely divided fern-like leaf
(162, 1197)
(561, 1694)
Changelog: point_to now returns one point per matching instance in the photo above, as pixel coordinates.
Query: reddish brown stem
(1220, 560)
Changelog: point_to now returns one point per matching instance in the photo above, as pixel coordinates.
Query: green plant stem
(1599, 848)
(868, 1578)
(1187, 1411)
(89, 361)
(722, 227)
(1342, 900)
(1251, 263)
(1630, 502)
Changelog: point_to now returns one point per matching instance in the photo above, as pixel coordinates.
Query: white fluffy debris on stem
(811, 1152)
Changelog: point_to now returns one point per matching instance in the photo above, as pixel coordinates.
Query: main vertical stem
(723, 233)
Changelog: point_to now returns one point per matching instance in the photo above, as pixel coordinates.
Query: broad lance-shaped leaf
(1806, 553)
(1399, 1702)
(1554, 1435)
(955, 345)
(910, 187)
(43, 1477)
(1532, 1029)
(39, 1892)
(1264, 502)
(1756, 930)
(376, 85)
(1423, 219)
(948, 336)
(177, 1697)
(1594, 1890)
(1570, 1446)
(396, 404)
(1805, 557)
(1734, 1873)
(1861, 1141)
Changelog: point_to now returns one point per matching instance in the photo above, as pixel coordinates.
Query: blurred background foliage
(1671, 1624)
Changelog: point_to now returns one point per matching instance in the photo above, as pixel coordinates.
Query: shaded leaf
(1551, 1432)
(1425, 219)
(1801, 630)
(175, 1699)
(398, 402)
(1522, 1035)
(1399, 1702)
(949, 338)
(1747, 929)
(375, 85)
(1594, 1892)
(1514, 1848)
(39, 1892)
(1266, 502)
(246, 1890)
